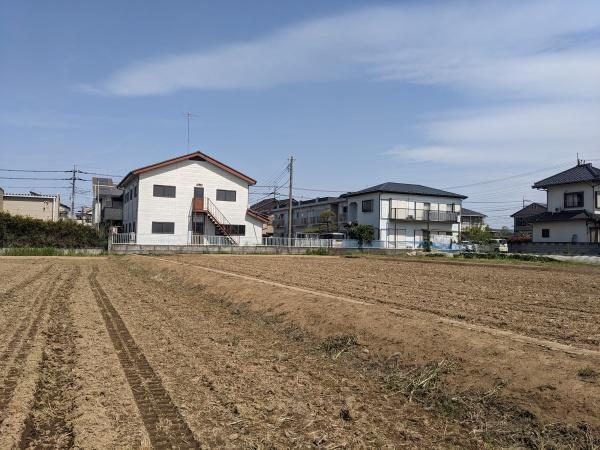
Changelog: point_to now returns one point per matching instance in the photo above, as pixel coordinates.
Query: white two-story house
(189, 200)
(573, 206)
(404, 215)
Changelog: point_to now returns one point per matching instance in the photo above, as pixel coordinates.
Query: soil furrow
(25, 282)
(21, 343)
(162, 419)
(48, 423)
(435, 315)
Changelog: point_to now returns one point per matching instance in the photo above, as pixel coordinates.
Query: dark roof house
(403, 188)
(572, 214)
(578, 174)
(465, 212)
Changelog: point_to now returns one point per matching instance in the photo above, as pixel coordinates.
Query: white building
(573, 206)
(404, 215)
(189, 199)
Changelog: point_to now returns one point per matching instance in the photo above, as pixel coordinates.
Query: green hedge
(16, 231)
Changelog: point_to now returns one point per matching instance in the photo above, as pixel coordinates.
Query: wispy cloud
(520, 134)
(527, 47)
(537, 62)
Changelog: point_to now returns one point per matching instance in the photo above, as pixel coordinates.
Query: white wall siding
(556, 197)
(562, 231)
(185, 176)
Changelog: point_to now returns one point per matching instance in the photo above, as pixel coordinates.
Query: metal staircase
(213, 213)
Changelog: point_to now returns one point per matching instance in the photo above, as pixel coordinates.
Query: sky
(480, 98)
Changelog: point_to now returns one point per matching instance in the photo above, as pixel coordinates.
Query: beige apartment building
(36, 206)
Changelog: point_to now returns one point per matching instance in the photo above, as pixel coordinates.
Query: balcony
(423, 215)
(197, 205)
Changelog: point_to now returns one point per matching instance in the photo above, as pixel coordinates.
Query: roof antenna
(188, 115)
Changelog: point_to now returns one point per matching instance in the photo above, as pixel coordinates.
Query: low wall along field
(284, 351)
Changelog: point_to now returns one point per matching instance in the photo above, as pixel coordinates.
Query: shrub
(362, 233)
(17, 231)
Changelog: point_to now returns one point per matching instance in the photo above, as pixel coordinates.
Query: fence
(122, 238)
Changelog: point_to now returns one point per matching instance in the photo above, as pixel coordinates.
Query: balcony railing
(423, 215)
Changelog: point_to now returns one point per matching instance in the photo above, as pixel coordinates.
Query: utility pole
(73, 178)
(291, 169)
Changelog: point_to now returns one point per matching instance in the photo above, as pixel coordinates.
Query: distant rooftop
(469, 212)
(402, 188)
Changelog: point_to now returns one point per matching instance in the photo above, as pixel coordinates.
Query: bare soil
(296, 352)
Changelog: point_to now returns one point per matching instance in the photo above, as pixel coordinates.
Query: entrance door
(198, 218)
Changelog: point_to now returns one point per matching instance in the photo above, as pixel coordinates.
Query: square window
(545, 232)
(573, 199)
(367, 206)
(225, 196)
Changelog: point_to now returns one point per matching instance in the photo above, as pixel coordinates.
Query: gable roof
(530, 210)
(402, 188)
(579, 173)
(471, 213)
(197, 156)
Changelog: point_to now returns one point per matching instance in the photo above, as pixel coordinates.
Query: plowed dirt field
(295, 352)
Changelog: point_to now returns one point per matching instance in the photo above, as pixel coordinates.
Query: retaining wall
(555, 248)
(244, 249)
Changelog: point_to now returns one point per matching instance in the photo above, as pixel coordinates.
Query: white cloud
(523, 133)
(537, 62)
(522, 47)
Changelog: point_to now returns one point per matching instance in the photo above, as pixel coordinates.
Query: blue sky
(447, 94)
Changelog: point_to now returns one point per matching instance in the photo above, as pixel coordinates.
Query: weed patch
(336, 345)
(588, 374)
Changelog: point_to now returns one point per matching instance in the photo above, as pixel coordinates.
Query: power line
(508, 178)
(32, 178)
(100, 174)
(34, 171)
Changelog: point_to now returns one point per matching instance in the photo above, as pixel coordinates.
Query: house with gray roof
(404, 215)
(470, 218)
(522, 218)
(573, 206)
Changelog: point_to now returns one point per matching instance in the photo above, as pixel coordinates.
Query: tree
(362, 233)
(327, 220)
(480, 234)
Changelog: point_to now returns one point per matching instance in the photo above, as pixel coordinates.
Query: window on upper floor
(225, 196)
(545, 232)
(367, 206)
(598, 200)
(573, 199)
(135, 191)
(160, 190)
(520, 221)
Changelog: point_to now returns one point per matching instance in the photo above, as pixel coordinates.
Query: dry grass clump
(588, 374)
(336, 345)
(417, 381)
